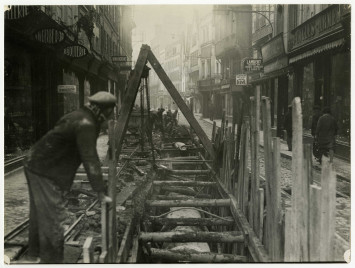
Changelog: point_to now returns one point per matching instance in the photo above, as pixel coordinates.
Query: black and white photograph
(184, 132)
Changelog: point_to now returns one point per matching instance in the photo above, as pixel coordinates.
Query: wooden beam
(314, 223)
(192, 221)
(88, 250)
(184, 183)
(180, 190)
(328, 205)
(190, 172)
(203, 257)
(130, 96)
(300, 187)
(189, 203)
(180, 103)
(173, 237)
(122, 254)
(181, 197)
(112, 181)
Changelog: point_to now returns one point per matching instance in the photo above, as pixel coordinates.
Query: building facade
(55, 57)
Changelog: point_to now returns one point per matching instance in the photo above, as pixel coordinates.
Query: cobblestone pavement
(343, 204)
(16, 199)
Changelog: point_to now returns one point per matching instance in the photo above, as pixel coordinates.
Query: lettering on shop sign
(66, 89)
(319, 25)
(273, 48)
(241, 80)
(252, 65)
(49, 36)
(76, 51)
(119, 58)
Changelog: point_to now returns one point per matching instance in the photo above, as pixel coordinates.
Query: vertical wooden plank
(112, 181)
(246, 169)
(290, 243)
(213, 132)
(314, 223)
(300, 187)
(327, 226)
(275, 198)
(307, 150)
(253, 204)
(266, 113)
(104, 227)
(88, 250)
(256, 178)
(180, 103)
(261, 214)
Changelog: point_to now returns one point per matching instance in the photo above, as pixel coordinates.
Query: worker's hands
(104, 198)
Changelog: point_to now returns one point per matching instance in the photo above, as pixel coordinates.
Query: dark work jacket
(326, 129)
(59, 153)
(315, 119)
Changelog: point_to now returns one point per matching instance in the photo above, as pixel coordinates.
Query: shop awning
(317, 50)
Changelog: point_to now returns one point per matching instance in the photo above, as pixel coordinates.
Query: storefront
(42, 80)
(321, 59)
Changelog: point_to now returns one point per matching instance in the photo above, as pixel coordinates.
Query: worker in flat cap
(50, 168)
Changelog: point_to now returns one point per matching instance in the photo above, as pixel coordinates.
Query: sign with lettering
(119, 58)
(76, 51)
(273, 48)
(252, 65)
(66, 89)
(241, 79)
(316, 27)
(49, 36)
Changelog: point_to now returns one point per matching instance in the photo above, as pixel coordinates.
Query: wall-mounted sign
(119, 58)
(49, 36)
(252, 65)
(273, 48)
(66, 89)
(318, 26)
(16, 12)
(241, 79)
(76, 51)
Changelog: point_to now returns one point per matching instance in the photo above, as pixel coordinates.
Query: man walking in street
(316, 115)
(325, 134)
(50, 168)
(288, 127)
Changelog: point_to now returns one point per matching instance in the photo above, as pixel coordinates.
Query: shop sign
(278, 64)
(321, 24)
(241, 80)
(49, 36)
(273, 49)
(66, 89)
(76, 51)
(119, 58)
(252, 65)
(16, 12)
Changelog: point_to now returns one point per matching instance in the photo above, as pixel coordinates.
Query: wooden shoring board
(125, 244)
(256, 249)
(180, 103)
(112, 163)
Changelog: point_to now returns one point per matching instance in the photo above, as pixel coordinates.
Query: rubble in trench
(78, 201)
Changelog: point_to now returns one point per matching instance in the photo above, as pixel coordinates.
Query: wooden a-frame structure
(146, 55)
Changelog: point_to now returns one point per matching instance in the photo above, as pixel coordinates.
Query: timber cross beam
(146, 55)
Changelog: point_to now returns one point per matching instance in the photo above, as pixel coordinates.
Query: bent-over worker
(50, 168)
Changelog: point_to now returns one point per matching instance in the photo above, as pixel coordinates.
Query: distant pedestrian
(288, 127)
(316, 115)
(325, 134)
(50, 168)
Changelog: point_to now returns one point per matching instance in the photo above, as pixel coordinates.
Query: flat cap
(103, 98)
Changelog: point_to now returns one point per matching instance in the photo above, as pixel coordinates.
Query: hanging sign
(49, 36)
(66, 89)
(241, 80)
(119, 58)
(253, 65)
(76, 51)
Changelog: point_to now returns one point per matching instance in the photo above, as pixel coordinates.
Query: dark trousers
(47, 213)
(289, 142)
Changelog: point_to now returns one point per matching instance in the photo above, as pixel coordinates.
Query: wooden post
(327, 226)
(300, 188)
(180, 102)
(104, 229)
(290, 243)
(315, 212)
(275, 199)
(268, 160)
(88, 250)
(213, 138)
(261, 196)
(112, 181)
